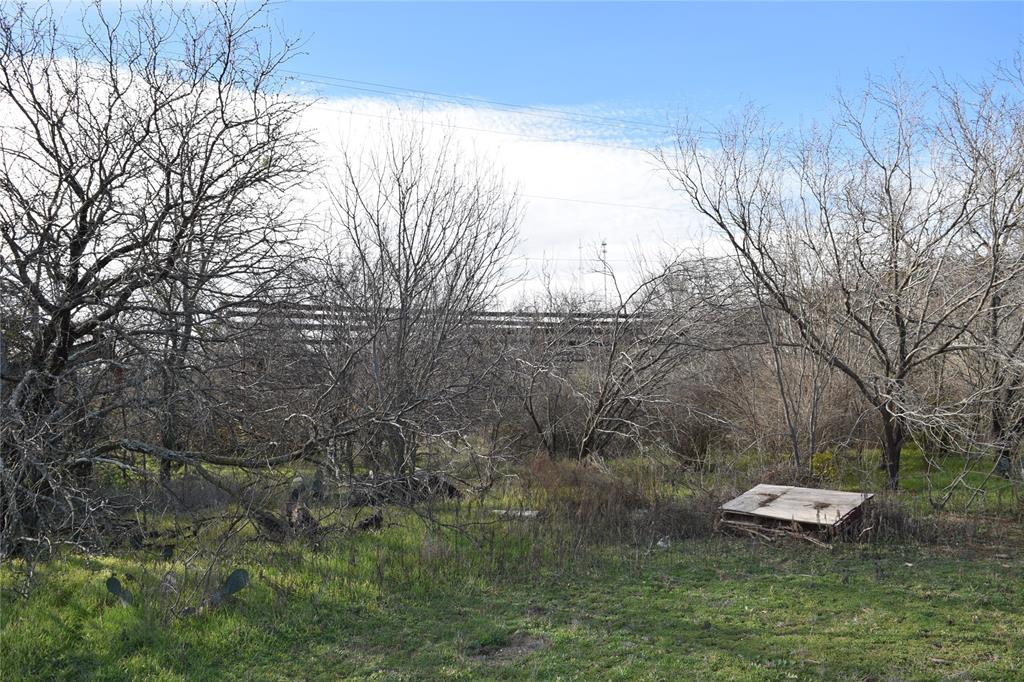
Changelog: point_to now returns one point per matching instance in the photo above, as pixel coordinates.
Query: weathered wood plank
(800, 505)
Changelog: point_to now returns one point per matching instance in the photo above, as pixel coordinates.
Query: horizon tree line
(152, 234)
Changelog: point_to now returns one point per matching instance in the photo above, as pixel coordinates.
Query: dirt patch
(519, 644)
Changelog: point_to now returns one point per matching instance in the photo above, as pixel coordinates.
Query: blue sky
(638, 61)
(651, 59)
(582, 181)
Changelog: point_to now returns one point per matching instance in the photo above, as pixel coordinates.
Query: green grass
(406, 604)
(951, 481)
(541, 600)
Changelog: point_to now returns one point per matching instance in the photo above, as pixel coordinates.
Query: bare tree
(142, 168)
(424, 239)
(802, 380)
(590, 374)
(983, 125)
(856, 234)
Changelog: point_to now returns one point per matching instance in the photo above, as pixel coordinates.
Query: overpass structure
(571, 333)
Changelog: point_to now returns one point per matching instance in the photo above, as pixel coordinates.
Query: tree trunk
(893, 438)
(399, 448)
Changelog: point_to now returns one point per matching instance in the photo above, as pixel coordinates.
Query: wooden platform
(804, 506)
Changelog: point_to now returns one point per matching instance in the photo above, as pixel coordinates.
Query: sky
(570, 98)
(650, 58)
(622, 73)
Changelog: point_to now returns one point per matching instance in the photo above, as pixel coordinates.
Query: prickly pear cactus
(114, 587)
(238, 579)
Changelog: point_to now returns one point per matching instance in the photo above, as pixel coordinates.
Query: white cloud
(582, 182)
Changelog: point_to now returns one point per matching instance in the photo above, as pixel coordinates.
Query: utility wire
(602, 203)
(513, 108)
(81, 42)
(507, 107)
(453, 126)
(431, 95)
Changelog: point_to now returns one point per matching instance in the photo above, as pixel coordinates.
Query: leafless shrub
(599, 505)
(783, 473)
(595, 503)
(593, 376)
(889, 521)
(383, 490)
(421, 239)
(677, 519)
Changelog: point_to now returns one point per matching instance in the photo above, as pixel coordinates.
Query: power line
(507, 107)
(601, 203)
(492, 131)
(563, 259)
(513, 108)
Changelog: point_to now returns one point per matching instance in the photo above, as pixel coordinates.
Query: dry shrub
(600, 505)
(783, 474)
(594, 501)
(193, 493)
(186, 493)
(652, 477)
(729, 475)
(691, 517)
(888, 521)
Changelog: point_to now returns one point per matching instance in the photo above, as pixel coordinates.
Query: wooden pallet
(807, 508)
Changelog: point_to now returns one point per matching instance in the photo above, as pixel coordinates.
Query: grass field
(517, 600)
